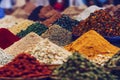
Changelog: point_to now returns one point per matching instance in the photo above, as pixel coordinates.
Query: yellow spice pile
(21, 26)
(94, 47)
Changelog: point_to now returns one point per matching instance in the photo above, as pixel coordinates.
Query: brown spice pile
(100, 21)
(91, 44)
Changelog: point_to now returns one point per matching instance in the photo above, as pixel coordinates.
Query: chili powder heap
(25, 66)
(7, 38)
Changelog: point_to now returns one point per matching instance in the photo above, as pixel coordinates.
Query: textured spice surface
(58, 35)
(100, 21)
(79, 68)
(94, 47)
(4, 57)
(49, 53)
(7, 38)
(36, 27)
(9, 21)
(114, 64)
(29, 41)
(66, 22)
(25, 66)
(22, 26)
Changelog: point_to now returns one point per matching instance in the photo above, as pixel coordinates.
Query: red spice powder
(25, 66)
(7, 38)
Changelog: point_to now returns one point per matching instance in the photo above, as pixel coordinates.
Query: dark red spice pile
(100, 21)
(25, 66)
(7, 38)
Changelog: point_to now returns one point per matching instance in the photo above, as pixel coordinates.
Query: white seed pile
(5, 58)
(87, 12)
(29, 41)
(49, 53)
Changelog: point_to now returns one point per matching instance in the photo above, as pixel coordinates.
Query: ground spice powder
(29, 41)
(24, 66)
(91, 44)
(7, 38)
(58, 35)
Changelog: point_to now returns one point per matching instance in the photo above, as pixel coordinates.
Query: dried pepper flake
(24, 66)
(7, 38)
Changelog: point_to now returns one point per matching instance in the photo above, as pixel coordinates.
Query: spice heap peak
(94, 47)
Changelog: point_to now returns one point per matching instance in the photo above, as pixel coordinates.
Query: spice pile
(100, 21)
(9, 21)
(114, 64)
(66, 22)
(79, 68)
(7, 38)
(51, 16)
(72, 11)
(21, 26)
(29, 41)
(58, 35)
(24, 66)
(36, 27)
(4, 58)
(49, 53)
(94, 47)
(87, 12)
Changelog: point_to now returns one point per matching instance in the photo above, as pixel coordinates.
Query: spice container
(49, 53)
(58, 35)
(29, 41)
(7, 38)
(79, 68)
(36, 27)
(66, 22)
(21, 26)
(91, 46)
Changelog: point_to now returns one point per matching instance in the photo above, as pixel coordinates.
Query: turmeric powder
(93, 46)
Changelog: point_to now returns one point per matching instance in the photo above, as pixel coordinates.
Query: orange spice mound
(92, 44)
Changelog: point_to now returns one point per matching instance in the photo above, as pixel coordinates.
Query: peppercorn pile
(36, 27)
(21, 26)
(117, 14)
(90, 45)
(4, 57)
(114, 65)
(29, 41)
(49, 53)
(7, 38)
(66, 22)
(58, 35)
(24, 66)
(79, 68)
(100, 21)
(9, 21)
